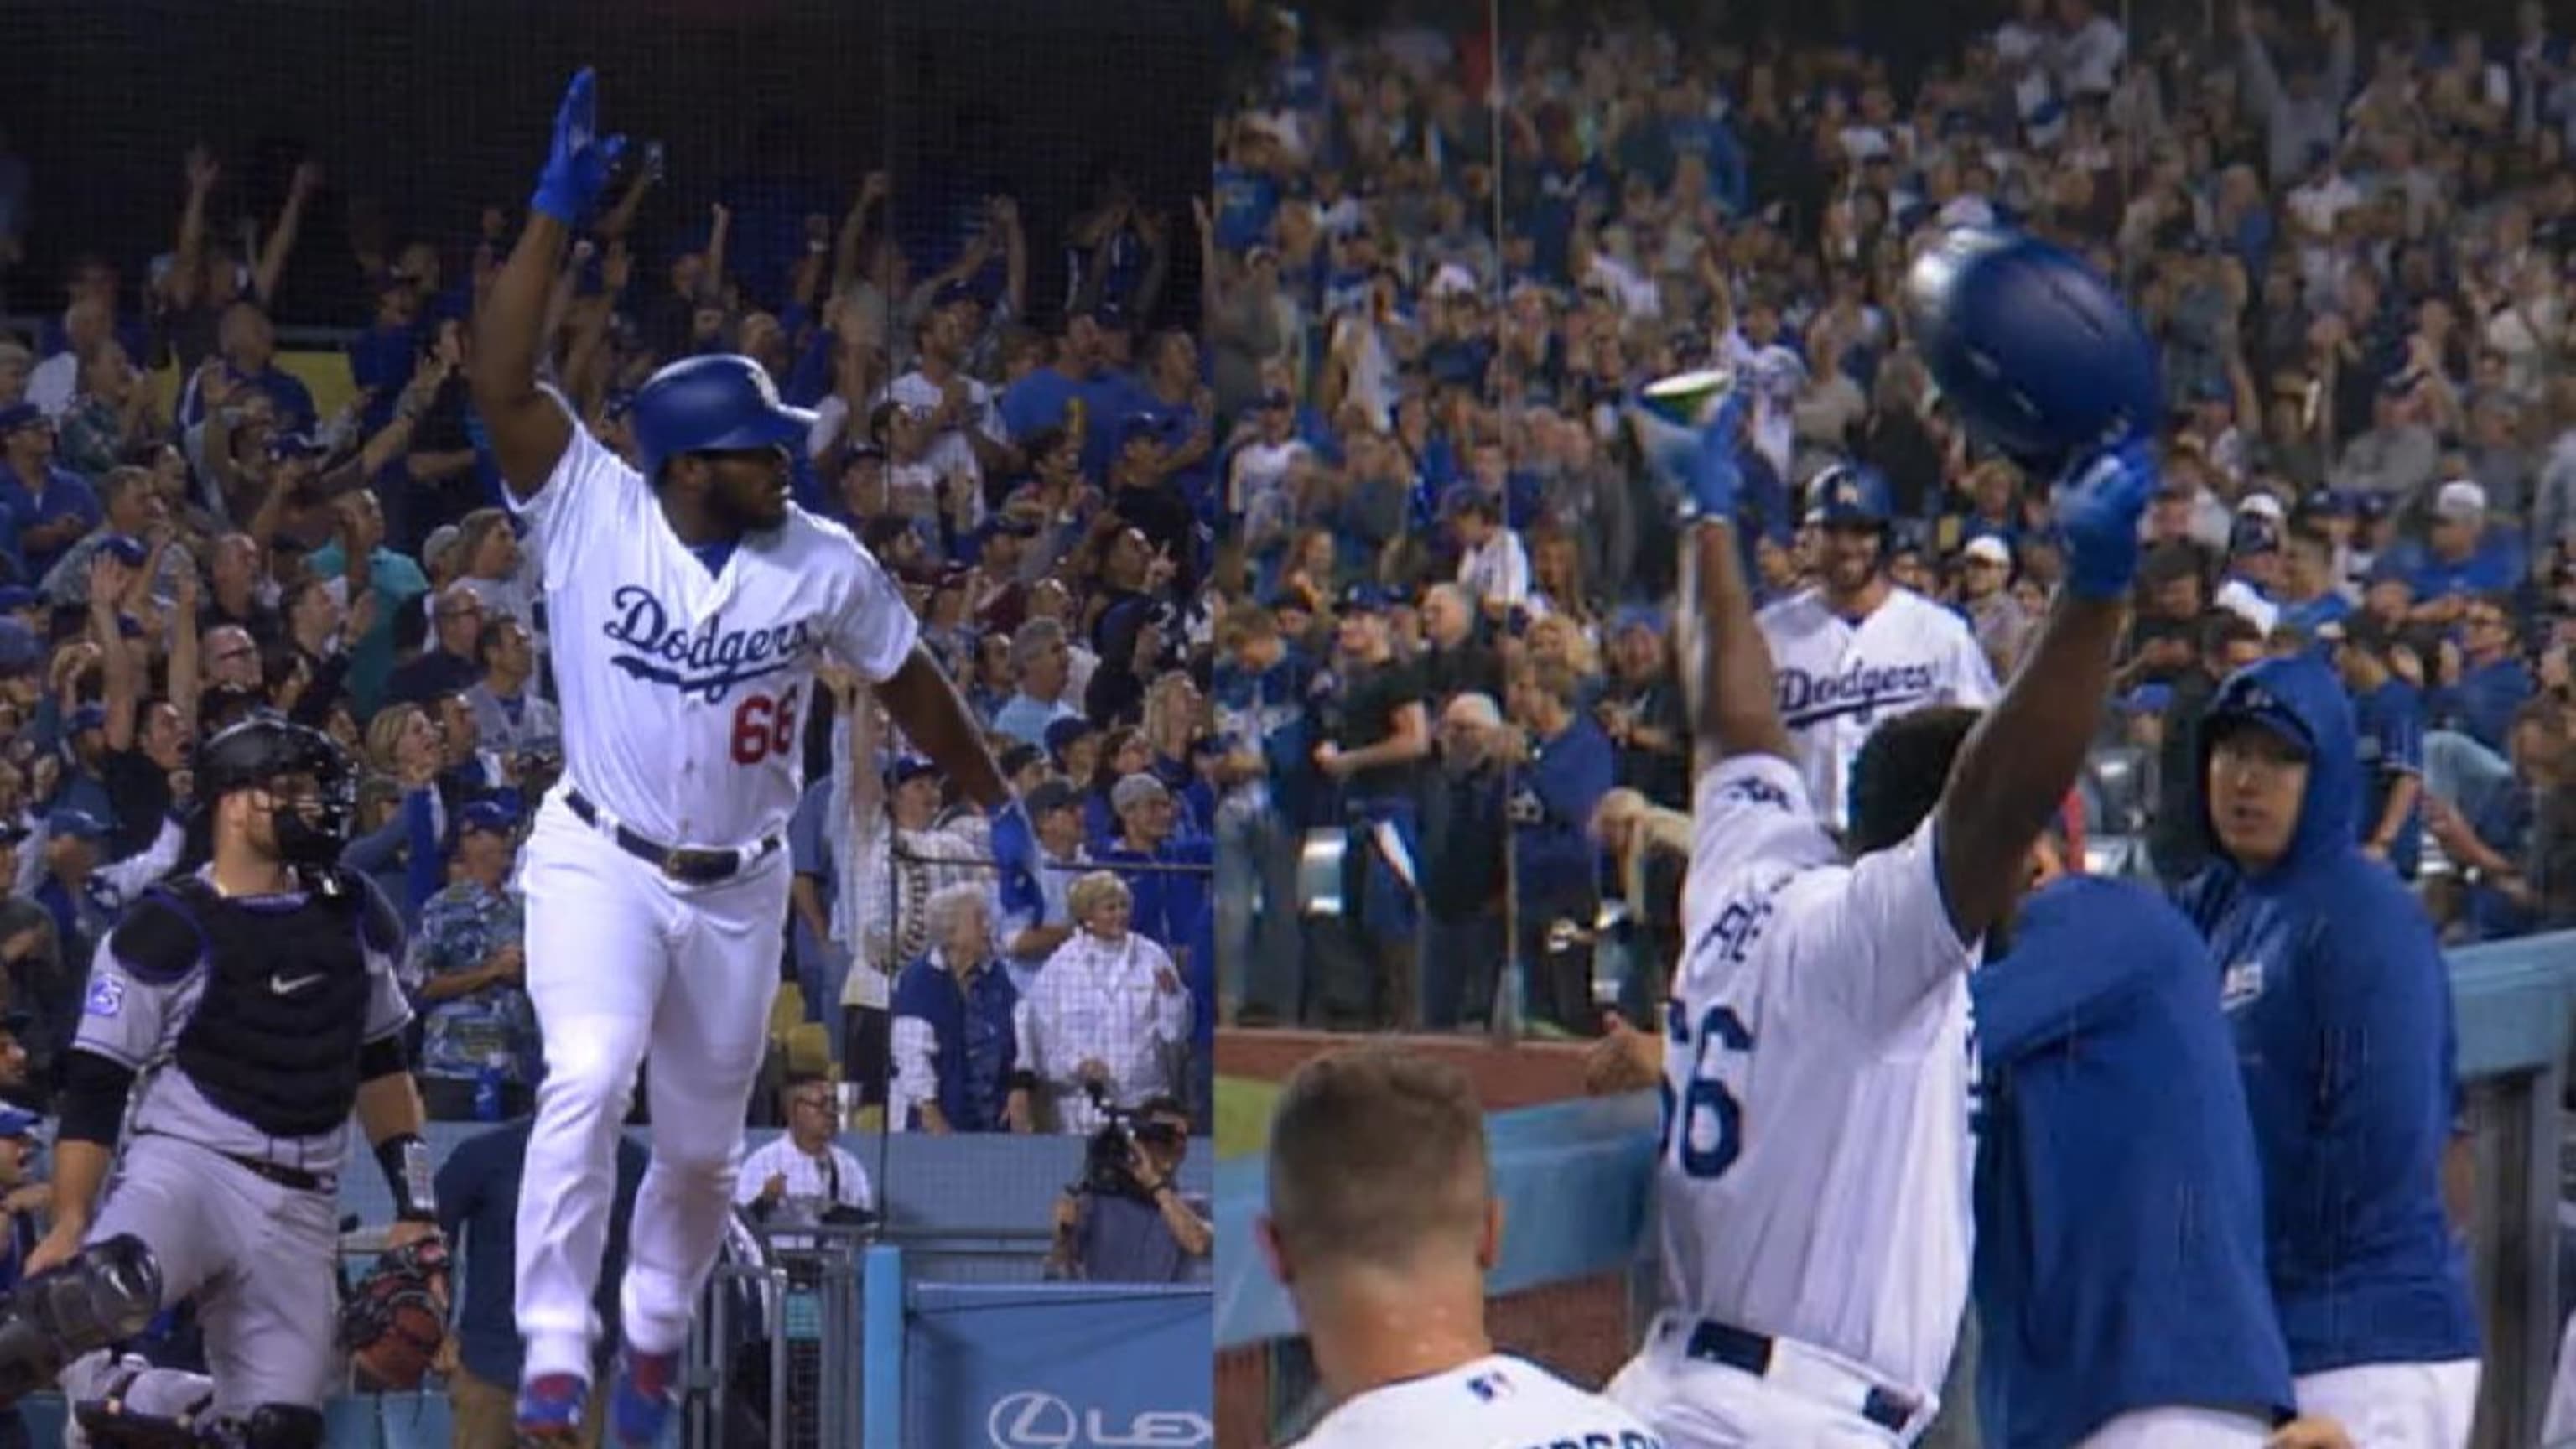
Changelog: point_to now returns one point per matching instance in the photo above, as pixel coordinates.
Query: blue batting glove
(2099, 502)
(1691, 426)
(578, 163)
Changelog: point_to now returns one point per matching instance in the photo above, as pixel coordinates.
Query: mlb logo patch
(106, 997)
(2243, 983)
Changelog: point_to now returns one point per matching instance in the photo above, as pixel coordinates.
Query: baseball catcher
(232, 1022)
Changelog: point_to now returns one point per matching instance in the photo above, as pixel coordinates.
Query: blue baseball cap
(1061, 734)
(21, 651)
(87, 717)
(14, 597)
(907, 769)
(78, 824)
(1364, 599)
(127, 550)
(295, 445)
(488, 817)
(21, 415)
(18, 1122)
(1639, 616)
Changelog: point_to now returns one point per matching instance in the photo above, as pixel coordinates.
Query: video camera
(1106, 1158)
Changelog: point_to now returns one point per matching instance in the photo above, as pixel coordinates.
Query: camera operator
(1127, 1221)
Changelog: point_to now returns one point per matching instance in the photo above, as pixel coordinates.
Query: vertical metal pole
(773, 1312)
(881, 1348)
(1511, 987)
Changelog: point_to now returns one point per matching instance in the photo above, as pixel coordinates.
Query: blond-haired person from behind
(1382, 1227)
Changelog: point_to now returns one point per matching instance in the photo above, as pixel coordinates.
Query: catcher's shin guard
(107, 1292)
(132, 1405)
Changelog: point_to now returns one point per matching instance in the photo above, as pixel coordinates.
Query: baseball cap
(2260, 505)
(907, 769)
(1018, 758)
(1050, 797)
(1987, 548)
(13, 832)
(487, 817)
(2250, 704)
(1137, 425)
(21, 651)
(1639, 616)
(440, 540)
(2460, 501)
(2253, 533)
(15, 597)
(78, 824)
(1136, 789)
(18, 1122)
(2329, 503)
(296, 445)
(21, 415)
(1061, 734)
(87, 717)
(1364, 599)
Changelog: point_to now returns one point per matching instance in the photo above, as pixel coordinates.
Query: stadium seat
(416, 1421)
(809, 1051)
(788, 1012)
(350, 1422)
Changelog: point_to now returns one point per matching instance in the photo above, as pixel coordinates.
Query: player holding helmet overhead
(690, 604)
(1858, 649)
(1815, 1056)
(241, 1013)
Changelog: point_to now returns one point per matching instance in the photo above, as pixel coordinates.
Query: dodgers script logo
(705, 662)
(1861, 689)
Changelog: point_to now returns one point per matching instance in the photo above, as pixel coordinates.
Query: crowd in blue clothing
(1445, 260)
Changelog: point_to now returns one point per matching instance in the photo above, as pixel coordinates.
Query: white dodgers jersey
(1837, 680)
(1497, 1402)
(1813, 1180)
(685, 691)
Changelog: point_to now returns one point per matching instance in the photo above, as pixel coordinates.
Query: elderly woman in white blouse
(1109, 1008)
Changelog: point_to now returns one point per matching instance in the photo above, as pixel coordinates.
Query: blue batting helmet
(711, 404)
(1850, 493)
(2035, 351)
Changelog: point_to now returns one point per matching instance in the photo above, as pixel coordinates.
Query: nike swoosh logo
(289, 985)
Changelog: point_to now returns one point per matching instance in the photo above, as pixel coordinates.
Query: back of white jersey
(684, 691)
(1838, 680)
(1497, 1402)
(1814, 1176)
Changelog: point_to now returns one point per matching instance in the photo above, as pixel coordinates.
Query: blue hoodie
(2341, 1005)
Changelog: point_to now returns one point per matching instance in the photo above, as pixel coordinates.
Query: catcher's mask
(268, 753)
(395, 1321)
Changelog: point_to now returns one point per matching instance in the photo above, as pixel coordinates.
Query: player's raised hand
(2099, 502)
(578, 163)
(1690, 427)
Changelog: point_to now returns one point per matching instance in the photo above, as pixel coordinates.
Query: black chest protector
(274, 1039)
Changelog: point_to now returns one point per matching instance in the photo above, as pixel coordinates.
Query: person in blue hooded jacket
(2341, 1004)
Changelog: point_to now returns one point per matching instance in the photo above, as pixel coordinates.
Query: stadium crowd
(2354, 241)
(187, 536)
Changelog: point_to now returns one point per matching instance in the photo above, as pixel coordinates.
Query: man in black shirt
(1456, 660)
(1376, 734)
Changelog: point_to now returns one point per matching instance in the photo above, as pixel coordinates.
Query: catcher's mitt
(395, 1320)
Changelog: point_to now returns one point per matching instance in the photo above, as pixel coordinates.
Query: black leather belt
(1742, 1348)
(685, 865)
(293, 1178)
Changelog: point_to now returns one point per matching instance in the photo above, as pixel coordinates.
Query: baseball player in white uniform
(1382, 1226)
(1814, 1058)
(1859, 649)
(690, 604)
